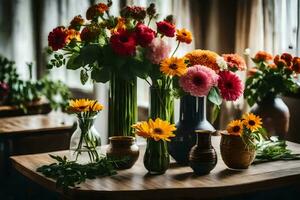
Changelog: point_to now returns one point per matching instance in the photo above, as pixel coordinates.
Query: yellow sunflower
(142, 129)
(79, 105)
(252, 121)
(184, 35)
(173, 66)
(203, 57)
(157, 130)
(235, 127)
(95, 106)
(161, 130)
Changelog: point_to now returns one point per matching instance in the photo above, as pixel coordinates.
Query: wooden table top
(35, 123)
(178, 182)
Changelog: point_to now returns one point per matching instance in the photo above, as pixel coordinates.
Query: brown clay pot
(123, 147)
(235, 153)
(203, 157)
(275, 116)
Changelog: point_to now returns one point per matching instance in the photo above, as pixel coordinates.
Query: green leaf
(84, 77)
(215, 113)
(214, 96)
(73, 62)
(101, 75)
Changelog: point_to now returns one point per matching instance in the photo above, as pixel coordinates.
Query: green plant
(272, 150)
(22, 93)
(267, 80)
(69, 173)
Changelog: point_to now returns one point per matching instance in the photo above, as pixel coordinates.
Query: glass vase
(161, 104)
(122, 106)
(192, 117)
(156, 158)
(85, 140)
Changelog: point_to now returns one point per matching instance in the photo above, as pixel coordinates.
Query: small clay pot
(203, 157)
(235, 153)
(123, 148)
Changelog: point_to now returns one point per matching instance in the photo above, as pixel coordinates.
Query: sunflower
(79, 105)
(173, 66)
(203, 57)
(95, 106)
(235, 127)
(142, 129)
(184, 35)
(157, 130)
(161, 130)
(252, 121)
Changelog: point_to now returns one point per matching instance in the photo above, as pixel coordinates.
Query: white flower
(247, 52)
(222, 63)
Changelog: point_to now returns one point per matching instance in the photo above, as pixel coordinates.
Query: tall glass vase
(161, 104)
(192, 117)
(122, 106)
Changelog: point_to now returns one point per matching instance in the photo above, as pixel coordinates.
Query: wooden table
(177, 183)
(34, 134)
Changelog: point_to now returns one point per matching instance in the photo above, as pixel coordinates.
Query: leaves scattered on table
(69, 173)
(272, 150)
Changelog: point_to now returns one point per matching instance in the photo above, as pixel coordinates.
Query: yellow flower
(252, 121)
(157, 130)
(203, 57)
(121, 25)
(95, 106)
(73, 35)
(235, 127)
(184, 35)
(79, 105)
(173, 66)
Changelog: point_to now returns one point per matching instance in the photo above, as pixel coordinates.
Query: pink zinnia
(198, 80)
(230, 85)
(235, 61)
(158, 50)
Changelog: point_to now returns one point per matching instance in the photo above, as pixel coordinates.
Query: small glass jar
(156, 158)
(85, 140)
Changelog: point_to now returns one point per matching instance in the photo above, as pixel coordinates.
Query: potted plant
(266, 82)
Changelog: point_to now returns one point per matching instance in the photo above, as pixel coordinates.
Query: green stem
(176, 48)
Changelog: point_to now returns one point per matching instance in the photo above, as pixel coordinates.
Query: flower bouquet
(119, 49)
(158, 132)
(270, 78)
(85, 139)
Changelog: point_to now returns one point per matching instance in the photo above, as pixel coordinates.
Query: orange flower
(252, 71)
(184, 35)
(203, 57)
(76, 22)
(121, 26)
(296, 65)
(263, 56)
(72, 35)
(272, 66)
(96, 10)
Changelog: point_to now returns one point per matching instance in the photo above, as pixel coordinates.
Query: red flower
(123, 43)
(57, 38)
(230, 85)
(135, 12)
(144, 35)
(166, 28)
(287, 58)
(96, 11)
(89, 33)
(4, 90)
(296, 65)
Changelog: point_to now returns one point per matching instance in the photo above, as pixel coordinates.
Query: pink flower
(235, 62)
(123, 43)
(166, 28)
(198, 80)
(144, 34)
(230, 85)
(158, 50)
